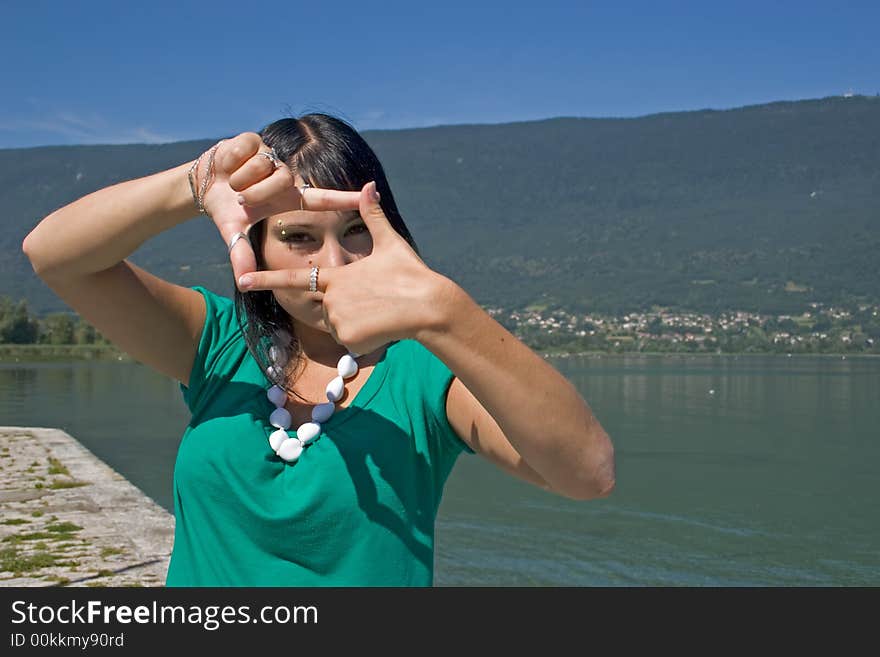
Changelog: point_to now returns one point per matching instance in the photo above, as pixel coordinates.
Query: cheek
(298, 306)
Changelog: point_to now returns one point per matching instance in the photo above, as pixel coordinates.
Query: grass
(41, 352)
(58, 484)
(63, 528)
(56, 467)
(13, 561)
(33, 536)
(14, 521)
(110, 551)
(56, 532)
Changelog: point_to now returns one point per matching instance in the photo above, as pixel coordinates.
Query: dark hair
(327, 153)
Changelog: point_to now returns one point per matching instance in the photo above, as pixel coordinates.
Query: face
(305, 239)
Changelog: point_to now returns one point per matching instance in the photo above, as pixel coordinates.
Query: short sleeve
(220, 350)
(435, 378)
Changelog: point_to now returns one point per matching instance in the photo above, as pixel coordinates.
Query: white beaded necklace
(286, 447)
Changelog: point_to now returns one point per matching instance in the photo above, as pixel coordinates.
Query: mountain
(764, 208)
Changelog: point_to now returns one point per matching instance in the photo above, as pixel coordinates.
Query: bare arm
(541, 429)
(99, 230)
(79, 251)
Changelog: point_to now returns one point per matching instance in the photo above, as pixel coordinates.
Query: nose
(334, 255)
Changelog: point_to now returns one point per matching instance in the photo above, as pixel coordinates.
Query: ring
(272, 156)
(302, 195)
(313, 280)
(239, 235)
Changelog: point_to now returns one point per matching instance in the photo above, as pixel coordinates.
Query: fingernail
(373, 192)
(240, 199)
(245, 281)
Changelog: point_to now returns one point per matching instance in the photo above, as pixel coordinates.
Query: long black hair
(328, 153)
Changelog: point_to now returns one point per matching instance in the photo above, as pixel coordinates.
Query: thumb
(372, 214)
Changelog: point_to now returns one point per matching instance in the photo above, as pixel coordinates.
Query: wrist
(178, 197)
(443, 297)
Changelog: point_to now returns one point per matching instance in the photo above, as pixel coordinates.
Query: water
(770, 480)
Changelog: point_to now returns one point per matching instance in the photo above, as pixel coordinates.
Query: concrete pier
(68, 519)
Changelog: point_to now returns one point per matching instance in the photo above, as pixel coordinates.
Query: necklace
(289, 448)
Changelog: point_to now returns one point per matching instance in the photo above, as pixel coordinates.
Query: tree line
(19, 326)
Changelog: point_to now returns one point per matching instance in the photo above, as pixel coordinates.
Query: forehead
(312, 219)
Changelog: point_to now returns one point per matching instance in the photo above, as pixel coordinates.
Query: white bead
(290, 449)
(277, 396)
(347, 367)
(280, 418)
(278, 436)
(308, 431)
(322, 412)
(273, 372)
(335, 389)
(278, 355)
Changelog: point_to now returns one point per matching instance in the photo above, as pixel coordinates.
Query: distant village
(821, 329)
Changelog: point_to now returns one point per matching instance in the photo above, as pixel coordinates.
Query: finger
(234, 152)
(257, 168)
(268, 189)
(374, 217)
(241, 256)
(279, 193)
(288, 279)
(318, 199)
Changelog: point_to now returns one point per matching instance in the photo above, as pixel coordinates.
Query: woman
(331, 398)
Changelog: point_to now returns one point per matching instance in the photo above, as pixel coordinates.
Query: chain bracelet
(193, 175)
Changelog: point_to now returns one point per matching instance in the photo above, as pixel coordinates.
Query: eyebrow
(296, 226)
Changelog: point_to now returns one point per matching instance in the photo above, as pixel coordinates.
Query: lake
(753, 470)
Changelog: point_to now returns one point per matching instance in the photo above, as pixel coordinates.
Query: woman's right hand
(240, 174)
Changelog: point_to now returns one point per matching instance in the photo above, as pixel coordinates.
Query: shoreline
(69, 519)
(569, 354)
(11, 354)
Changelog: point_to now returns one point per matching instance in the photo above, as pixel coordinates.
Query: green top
(356, 509)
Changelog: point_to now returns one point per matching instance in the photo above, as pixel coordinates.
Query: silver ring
(313, 279)
(239, 235)
(302, 195)
(272, 156)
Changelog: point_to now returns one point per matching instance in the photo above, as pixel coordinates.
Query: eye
(357, 229)
(295, 237)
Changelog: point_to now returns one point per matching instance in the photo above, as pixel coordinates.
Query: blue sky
(149, 72)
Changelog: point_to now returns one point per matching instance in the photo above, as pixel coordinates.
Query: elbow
(27, 247)
(30, 248)
(598, 480)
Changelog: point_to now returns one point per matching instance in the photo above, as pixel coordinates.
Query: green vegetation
(763, 210)
(60, 483)
(110, 551)
(818, 331)
(56, 467)
(11, 560)
(63, 528)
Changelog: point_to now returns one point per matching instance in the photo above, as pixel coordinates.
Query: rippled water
(772, 479)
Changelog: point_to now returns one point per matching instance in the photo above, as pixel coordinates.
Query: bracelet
(192, 175)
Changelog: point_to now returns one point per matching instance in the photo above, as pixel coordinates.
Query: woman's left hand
(388, 295)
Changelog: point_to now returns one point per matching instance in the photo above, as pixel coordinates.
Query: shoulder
(221, 349)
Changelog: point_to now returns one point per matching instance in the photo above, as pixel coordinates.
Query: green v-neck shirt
(357, 508)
